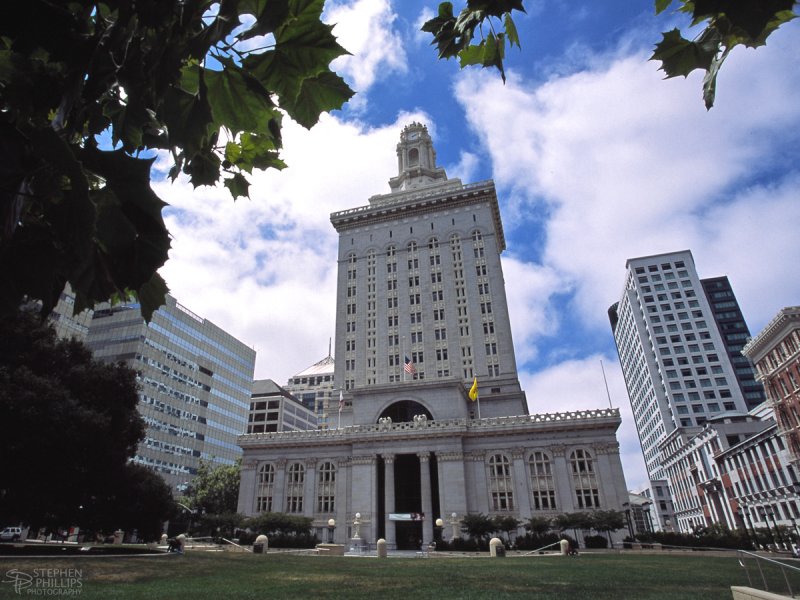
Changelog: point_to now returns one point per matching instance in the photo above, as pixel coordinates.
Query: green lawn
(199, 575)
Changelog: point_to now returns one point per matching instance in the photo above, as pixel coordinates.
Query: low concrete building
(272, 408)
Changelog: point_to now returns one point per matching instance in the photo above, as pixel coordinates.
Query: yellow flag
(473, 391)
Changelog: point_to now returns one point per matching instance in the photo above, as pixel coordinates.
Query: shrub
(596, 541)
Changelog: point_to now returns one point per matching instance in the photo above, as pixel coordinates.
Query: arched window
(391, 250)
(584, 479)
(433, 243)
(477, 236)
(351, 258)
(455, 241)
(412, 246)
(413, 157)
(326, 488)
(295, 481)
(501, 485)
(266, 477)
(542, 484)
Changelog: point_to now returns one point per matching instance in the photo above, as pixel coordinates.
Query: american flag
(409, 367)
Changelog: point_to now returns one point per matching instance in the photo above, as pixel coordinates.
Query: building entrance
(408, 499)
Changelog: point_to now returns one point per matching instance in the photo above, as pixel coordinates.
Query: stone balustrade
(428, 427)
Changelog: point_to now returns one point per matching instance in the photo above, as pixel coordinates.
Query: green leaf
(237, 101)
(661, 5)
(710, 80)
(319, 94)
(257, 152)
(511, 31)
(152, 295)
(679, 56)
(238, 186)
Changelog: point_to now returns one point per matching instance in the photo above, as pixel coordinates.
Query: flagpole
(341, 402)
(478, 398)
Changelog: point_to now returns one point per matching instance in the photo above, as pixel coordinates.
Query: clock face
(414, 135)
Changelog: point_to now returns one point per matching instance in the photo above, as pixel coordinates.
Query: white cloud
(612, 162)
(366, 29)
(626, 164)
(578, 385)
(264, 269)
(530, 305)
(465, 169)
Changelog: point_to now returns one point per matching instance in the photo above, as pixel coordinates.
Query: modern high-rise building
(314, 387)
(195, 384)
(421, 312)
(67, 324)
(735, 333)
(673, 352)
(272, 408)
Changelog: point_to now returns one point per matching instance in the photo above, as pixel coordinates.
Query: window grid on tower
(416, 349)
(461, 305)
(350, 324)
(371, 366)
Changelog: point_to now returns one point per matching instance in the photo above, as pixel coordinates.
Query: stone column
(562, 475)
(480, 483)
(342, 489)
(309, 484)
(249, 488)
(388, 484)
(363, 468)
(427, 504)
(605, 478)
(452, 483)
(279, 488)
(521, 484)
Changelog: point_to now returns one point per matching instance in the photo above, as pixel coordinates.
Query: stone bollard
(564, 547)
(496, 548)
(261, 545)
(119, 536)
(382, 553)
(181, 539)
(164, 539)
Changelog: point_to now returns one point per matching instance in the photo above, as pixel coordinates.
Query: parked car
(11, 534)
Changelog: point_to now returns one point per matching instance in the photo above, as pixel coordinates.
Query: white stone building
(421, 312)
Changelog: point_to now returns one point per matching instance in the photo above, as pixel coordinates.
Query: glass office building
(195, 384)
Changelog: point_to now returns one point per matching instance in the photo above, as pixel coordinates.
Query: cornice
(606, 418)
(424, 200)
(763, 342)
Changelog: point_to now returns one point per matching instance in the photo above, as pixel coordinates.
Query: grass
(199, 575)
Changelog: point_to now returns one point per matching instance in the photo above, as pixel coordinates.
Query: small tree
(538, 526)
(507, 524)
(573, 521)
(606, 521)
(478, 526)
(215, 489)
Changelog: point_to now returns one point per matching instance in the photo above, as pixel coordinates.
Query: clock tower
(416, 160)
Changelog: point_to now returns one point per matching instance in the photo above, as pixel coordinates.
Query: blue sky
(596, 159)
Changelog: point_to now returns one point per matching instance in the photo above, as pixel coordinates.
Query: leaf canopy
(172, 76)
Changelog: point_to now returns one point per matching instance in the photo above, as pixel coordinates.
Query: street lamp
(357, 526)
(438, 529)
(454, 523)
(331, 527)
